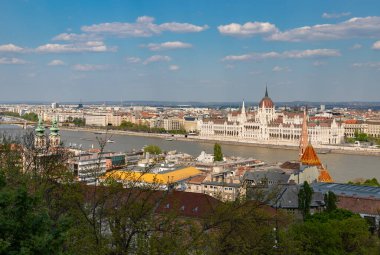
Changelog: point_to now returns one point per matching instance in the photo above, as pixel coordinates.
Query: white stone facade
(267, 126)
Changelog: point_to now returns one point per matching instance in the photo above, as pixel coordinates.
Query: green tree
(335, 232)
(330, 201)
(79, 122)
(304, 199)
(153, 149)
(30, 116)
(25, 225)
(218, 155)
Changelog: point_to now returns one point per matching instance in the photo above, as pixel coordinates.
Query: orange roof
(324, 176)
(351, 122)
(310, 157)
(161, 178)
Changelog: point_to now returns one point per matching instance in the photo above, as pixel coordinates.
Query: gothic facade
(266, 125)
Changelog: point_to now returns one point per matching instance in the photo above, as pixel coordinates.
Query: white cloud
(157, 58)
(356, 46)
(76, 37)
(375, 65)
(12, 61)
(376, 45)
(91, 46)
(173, 68)
(286, 54)
(358, 27)
(182, 27)
(281, 69)
(368, 27)
(88, 67)
(143, 27)
(167, 46)
(56, 62)
(326, 15)
(10, 48)
(248, 29)
(133, 59)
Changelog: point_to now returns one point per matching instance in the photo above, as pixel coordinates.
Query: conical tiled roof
(324, 175)
(310, 157)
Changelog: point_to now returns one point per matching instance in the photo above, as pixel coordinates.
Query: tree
(153, 149)
(304, 199)
(330, 201)
(218, 155)
(335, 232)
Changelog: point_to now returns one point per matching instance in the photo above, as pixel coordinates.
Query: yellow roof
(169, 177)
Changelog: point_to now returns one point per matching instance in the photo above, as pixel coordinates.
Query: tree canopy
(153, 149)
(218, 155)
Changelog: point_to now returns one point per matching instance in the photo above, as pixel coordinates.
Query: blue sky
(189, 50)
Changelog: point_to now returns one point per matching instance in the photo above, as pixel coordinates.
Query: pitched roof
(310, 157)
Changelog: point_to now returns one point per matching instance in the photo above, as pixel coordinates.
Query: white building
(268, 126)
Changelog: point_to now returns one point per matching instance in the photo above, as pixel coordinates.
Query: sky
(199, 50)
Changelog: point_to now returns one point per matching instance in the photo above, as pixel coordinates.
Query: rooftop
(348, 189)
(163, 178)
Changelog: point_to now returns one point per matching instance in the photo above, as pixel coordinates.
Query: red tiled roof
(359, 205)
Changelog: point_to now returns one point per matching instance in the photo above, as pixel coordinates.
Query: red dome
(266, 102)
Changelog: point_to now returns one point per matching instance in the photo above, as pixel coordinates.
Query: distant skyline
(198, 51)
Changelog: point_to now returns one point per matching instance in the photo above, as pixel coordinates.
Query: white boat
(110, 141)
(169, 139)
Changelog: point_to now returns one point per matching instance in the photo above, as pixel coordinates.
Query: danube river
(342, 167)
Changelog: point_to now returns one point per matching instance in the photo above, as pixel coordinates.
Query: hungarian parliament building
(265, 125)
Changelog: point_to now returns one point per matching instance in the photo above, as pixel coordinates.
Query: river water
(342, 167)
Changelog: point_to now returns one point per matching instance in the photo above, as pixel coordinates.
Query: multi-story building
(96, 120)
(267, 125)
(369, 127)
(88, 167)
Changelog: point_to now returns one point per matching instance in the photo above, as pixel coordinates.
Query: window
(167, 206)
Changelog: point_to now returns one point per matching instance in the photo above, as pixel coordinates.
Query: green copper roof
(40, 130)
(54, 127)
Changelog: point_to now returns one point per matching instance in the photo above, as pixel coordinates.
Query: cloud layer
(91, 46)
(143, 27)
(167, 46)
(367, 27)
(295, 54)
(12, 61)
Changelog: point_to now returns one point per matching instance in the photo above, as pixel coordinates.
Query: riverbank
(321, 148)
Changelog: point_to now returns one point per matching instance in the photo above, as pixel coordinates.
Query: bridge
(24, 123)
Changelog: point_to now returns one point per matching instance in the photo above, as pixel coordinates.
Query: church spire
(39, 137)
(266, 91)
(304, 139)
(243, 114)
(54, 137)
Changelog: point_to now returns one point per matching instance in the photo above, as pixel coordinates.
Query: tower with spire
(304, 139)
(243, 114)
(266, 112)
(39, 138)
(54, 136)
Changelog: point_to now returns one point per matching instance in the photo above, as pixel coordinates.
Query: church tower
(54, 136)
(243, 114)
(39, 138)
(266, 112)
(304, 139)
